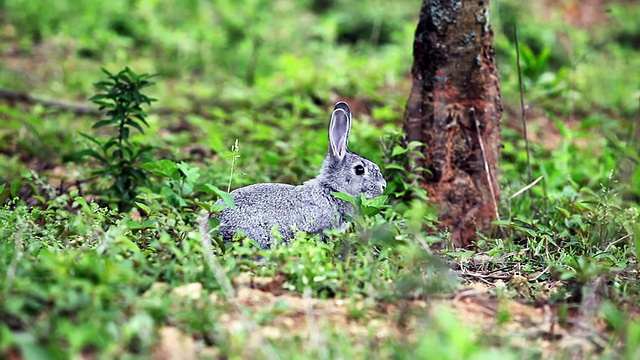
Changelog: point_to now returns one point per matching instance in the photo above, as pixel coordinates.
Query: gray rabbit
(309, 207)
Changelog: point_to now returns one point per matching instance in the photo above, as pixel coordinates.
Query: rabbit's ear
(339, 130)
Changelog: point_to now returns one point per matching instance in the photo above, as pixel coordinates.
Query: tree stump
(454, 109)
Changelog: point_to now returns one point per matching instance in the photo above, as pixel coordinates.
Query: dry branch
(13, 96)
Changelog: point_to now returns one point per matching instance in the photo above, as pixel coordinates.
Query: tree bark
(454, 109)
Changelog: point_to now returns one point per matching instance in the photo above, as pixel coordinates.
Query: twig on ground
(487, 276)
(532, 184)
(613, 243)
(22, 97)
(541, 273)
(524, 113)
(487, 168)
(482, 305)
(78, 109)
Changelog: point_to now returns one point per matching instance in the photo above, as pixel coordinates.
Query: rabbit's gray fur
(309, 207)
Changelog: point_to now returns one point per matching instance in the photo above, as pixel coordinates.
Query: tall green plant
(121, 95)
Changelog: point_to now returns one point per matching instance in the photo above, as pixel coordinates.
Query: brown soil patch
(520, 325)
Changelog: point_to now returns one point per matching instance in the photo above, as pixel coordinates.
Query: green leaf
(394, 166)
(213, 222)
(398, 150)
(346, 197)
(103, 123)
(562, 129)
(91, 153)
(135, 125)
(141, 151)
(126, 244)
(143, 207)
(414, 144)
(4, 194)
(98, 97)
(86, 208)
(564, 212)
(107, 72)
(191, 174)
(377, 201)
(216, 142)
(117, 154)
(205, 205)
(124, 134)
(172, 197)
(15, 186)
(162, 168)
(507, 223)
(223, 195)
(90, 138)
(109, 144)
(128, 150)
(142, 118)
(370, 210)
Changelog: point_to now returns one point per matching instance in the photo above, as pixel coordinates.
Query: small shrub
(121, 94)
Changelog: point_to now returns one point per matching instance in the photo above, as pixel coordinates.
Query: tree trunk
(454, 109)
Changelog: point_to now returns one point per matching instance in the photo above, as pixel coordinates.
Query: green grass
(79, 277)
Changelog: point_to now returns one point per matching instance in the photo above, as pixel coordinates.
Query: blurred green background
(263, 71)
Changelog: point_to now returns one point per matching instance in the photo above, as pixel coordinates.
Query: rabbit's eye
(359, 169)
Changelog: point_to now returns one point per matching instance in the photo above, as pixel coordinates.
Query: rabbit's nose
(383, 185)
